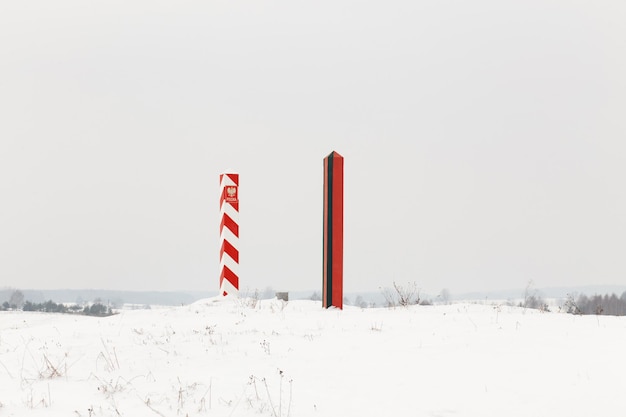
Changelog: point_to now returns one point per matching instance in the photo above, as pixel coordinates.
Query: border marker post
(332, 293)
(229, 233)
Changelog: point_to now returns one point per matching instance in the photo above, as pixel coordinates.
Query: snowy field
(230, 358)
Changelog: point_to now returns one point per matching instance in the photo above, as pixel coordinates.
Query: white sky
(484, 141)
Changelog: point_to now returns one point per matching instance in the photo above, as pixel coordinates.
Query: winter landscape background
(267, 357)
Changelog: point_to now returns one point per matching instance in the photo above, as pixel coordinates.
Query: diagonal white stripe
(230, 237)
(226, 180)
(230, 263)
(230, 210)
(228, 287)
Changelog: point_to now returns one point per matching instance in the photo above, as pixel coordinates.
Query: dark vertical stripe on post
(329, 234)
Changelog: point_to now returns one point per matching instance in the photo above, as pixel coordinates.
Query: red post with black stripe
(229, 233)
(333, 231)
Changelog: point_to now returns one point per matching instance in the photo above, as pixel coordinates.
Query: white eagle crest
(231, 191)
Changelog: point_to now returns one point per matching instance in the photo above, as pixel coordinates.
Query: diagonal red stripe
(230, 224)
(233, 177)
(230, 276)
(230, 250)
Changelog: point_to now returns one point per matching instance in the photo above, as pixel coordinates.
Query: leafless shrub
(209, 330)
(278, 306)
(401, 295)
(268, 402)
(250, 300)
(50, 370)
(203, 400)
(33, 401)
(570, 305)
(445, 296)
(533, 300)
(111, 362)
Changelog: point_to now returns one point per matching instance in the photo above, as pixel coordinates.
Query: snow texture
(243, 357)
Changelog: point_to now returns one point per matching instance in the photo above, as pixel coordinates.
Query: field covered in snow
(234, 358)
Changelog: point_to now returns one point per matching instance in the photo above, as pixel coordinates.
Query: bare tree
(571, 306)
(445, 296)
(360, 302)
(17, 299)
(391, 300)
(532, 299)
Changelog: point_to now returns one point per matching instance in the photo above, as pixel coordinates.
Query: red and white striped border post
(229, 233)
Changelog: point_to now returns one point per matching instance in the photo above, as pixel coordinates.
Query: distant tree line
(17, 302)
(606, 305)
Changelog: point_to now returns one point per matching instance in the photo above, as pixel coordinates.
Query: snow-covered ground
(228, 358)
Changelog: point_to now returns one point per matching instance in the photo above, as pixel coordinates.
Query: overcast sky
(484, 141)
